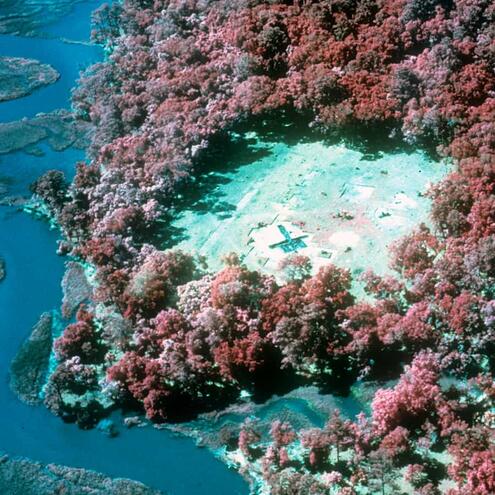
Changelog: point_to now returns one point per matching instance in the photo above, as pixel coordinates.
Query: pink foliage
(412, 400)
(473, 468)
(79, 339)
(414, 254)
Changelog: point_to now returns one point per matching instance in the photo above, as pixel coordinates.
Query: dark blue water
(67, 58)
(52, 52)
(34, 272)
(19, 169)
(75, 26)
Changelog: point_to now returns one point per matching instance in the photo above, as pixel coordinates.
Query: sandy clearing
(350, 206)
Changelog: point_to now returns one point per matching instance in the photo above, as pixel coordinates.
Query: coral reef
(76, 288)
(22, 17)
(21, 76)
(58, 128)
(21, 476)
(29, 368)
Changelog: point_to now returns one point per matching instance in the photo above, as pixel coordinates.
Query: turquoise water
(75, 25)
(154, 457)
(34, 271)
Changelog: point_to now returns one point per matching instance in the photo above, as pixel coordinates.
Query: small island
(19, 475)
(58, 128)
(21, 76)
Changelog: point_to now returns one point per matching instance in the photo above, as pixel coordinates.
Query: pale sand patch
(344, 239)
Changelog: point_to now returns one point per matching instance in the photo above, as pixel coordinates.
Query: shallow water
(151, 456)
(34, 271)
(75, 25)
(67, 58)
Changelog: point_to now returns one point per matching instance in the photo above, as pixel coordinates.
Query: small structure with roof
(282, 236)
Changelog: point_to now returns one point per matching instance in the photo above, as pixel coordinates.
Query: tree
(318, 443)
(249, 436)
(415, 253)
(80, 339)
(52, 188)
(413, 400)
(380, 472)
(105, 22)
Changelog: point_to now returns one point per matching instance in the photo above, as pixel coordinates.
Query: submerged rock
(107, 427)
(29, 367)
(134, 421)
(21, 76)
(304, 408)
(3, 271)
(18, 201)
(29, 17)
(59, 129)
(21, 476)
(76, 289)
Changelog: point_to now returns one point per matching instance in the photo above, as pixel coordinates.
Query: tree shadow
(224, 156)
(291, 127)
(167, 235)
(203, 192)
(286, 126)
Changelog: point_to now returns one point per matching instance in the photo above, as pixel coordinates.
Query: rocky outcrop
(21, 476)
(76, 288)
(59, 129)
(21, 76)
(30, 365)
